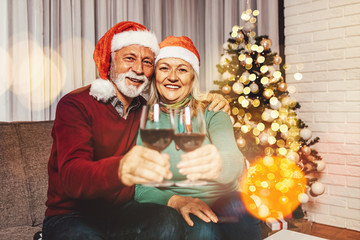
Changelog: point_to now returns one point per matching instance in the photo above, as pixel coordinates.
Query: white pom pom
(102, 90)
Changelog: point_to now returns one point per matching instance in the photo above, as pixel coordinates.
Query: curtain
(46, 46)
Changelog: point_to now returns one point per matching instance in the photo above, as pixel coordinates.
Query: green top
(220, 133)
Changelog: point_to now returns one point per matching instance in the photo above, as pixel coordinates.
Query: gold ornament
(280, 143)
(241, 142)
(282, 86)
(239, 36)
(226, 89)
(306, 150)
(277, 60)
(266, 43)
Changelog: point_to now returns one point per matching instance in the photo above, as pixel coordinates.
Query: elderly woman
(215, 210)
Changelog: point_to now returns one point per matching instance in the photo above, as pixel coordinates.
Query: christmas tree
(263, 112)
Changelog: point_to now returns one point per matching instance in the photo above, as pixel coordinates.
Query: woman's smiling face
(174, 79)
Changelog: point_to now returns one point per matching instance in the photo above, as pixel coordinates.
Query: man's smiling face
(131, 69)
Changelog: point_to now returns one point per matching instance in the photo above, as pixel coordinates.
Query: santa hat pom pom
(102, 90)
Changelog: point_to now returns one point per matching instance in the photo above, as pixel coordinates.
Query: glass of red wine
(189, 134)
(156, 132)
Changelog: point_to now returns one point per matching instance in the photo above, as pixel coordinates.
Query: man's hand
(142, 165)
(186, 205)
(202, 163)
(218, 102)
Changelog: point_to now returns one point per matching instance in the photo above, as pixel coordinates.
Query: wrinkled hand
(142, 165)
(202, 163)
(218, 102)
(186, 205)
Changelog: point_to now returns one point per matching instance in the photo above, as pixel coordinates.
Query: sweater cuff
(111, 179)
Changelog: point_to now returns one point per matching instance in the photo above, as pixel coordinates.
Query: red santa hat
(180, 47)
(121, 35)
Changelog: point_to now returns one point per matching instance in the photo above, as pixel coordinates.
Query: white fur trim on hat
(182, 53)
(102, 90)
(144, 38)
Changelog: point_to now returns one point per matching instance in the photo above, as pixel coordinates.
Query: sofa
(24, 152)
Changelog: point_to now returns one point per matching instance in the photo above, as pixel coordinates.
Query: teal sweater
(220, 133)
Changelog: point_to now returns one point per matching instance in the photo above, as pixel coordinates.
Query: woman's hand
(142, 165)
(218, 102)
(202, 163)
(186, 205)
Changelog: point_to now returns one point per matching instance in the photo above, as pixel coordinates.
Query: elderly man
(93, 164)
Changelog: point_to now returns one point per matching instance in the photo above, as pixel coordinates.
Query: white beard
(129, 90)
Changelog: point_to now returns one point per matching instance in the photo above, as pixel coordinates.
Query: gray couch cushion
(35, 144)
(19, 233)
(14, 204)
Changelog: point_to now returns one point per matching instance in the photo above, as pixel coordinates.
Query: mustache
(133, 75)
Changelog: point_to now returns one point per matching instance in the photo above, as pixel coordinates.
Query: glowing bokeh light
(248, 60)
(277, 74)
(242, 57)
(261, 126)
(6, 65)
(271, 187)
(264, 69)
(298, 76)
(252, 77)
(291, 89)
(235, 28)
(264, 80)
(37, 82)
(261, 59)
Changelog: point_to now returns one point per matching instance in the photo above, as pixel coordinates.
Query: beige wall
(322, 41)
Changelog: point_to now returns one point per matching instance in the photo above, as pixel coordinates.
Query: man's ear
(112, 68)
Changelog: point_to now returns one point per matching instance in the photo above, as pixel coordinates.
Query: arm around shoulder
(221, 134)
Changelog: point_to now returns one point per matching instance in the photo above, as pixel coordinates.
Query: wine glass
(156, 132)
(189, 134)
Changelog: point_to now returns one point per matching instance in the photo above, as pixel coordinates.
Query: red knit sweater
(89, 140)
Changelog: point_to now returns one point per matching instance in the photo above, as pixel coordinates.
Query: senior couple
(98, 162)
